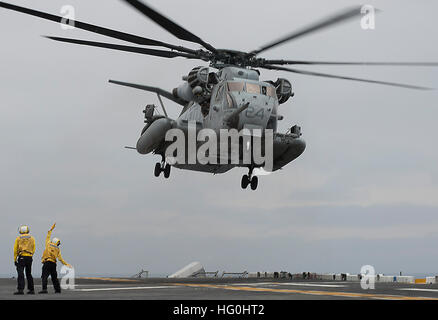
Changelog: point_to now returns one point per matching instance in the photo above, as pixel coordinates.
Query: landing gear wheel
(157, 170)
(254, 183)
(248, 179)
(245, 181)
(167, 171)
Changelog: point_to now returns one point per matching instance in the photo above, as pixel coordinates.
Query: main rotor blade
(338, 63)
(330, 21)
(169, 25)
(151, 52)
(96, 29)
(156, 90)
(325, 75)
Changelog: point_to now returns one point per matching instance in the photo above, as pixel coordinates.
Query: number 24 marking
(251, 113)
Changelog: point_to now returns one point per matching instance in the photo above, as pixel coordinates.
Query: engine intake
(198, 77)
(283, 90)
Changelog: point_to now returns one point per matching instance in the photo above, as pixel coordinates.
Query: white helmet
(56, 241)
(23, 229)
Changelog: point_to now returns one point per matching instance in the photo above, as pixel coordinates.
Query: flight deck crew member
(24, 248)
(50, 256)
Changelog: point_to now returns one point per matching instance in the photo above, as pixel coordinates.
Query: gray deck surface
(222, 289)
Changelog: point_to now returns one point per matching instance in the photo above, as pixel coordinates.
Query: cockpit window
(252, 88)
(235, 86)
(271, 92)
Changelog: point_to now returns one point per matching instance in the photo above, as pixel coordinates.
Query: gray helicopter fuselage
(237, 100)
(237, 89)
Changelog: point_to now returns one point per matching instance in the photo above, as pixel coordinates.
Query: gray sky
(364, 192)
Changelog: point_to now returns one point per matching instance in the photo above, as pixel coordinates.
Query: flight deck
(223, 289)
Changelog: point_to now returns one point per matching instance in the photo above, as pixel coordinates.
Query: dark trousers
(49, 269)
(24, 264)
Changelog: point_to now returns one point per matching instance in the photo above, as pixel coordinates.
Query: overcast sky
(364, 192)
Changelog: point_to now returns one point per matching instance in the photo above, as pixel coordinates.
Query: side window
(271, 92)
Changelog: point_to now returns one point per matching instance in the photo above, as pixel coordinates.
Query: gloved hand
(16, 263)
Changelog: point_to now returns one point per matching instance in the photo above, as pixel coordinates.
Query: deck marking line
(124, 288)
(109, 279)
(310, 292)
(418, 289)
(311, 284)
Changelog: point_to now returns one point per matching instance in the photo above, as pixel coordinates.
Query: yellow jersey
(52, 252)
(24, 246)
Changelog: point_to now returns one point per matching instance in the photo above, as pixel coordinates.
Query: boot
(43, 291)
(19, 292)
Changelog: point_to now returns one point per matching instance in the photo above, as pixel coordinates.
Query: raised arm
(49, 233)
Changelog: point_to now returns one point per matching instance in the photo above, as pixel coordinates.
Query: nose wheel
(162, 167)
(248, 179)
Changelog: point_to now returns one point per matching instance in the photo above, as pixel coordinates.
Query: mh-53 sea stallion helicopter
(233, 97)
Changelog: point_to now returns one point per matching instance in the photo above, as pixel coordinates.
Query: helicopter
(227, 94)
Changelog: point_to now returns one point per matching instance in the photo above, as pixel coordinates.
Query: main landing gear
(250, 180)
(162, 167)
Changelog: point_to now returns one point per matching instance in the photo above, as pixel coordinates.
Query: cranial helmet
(23, 229)
(56, 241)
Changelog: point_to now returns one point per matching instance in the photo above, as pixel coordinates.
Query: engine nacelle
(198, 77)
(284, 90)
(194, 84)
(153, 135)
(184, 92)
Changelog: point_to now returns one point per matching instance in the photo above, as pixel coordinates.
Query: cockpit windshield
(252, 88)
(236, 86)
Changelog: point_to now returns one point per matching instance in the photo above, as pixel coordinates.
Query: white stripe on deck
(299, 284)
(290, 284)
(253, 284)
(125, 288)
(418, 289)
